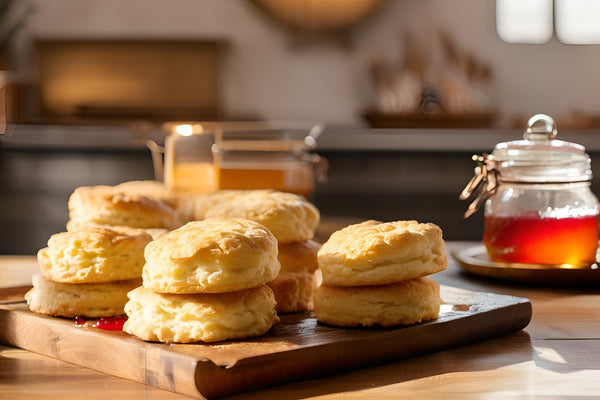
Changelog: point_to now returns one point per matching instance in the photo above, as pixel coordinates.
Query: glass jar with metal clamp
(538, 204)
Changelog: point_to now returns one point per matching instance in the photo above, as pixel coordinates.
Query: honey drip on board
(104, 323)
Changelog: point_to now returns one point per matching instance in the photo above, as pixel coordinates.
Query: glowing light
(184, 130)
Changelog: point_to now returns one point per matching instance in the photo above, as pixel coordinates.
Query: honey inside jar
(192, 178)
(532, 239)
(293, 180)
(201, 157)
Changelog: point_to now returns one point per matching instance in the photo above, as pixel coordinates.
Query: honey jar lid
(539, 157)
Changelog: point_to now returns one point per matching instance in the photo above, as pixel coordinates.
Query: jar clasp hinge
(482, 185)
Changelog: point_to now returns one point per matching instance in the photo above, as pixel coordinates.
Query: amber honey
(192, 177)
(294, 180)
(537, 240)
(205, 177)
(201, 157)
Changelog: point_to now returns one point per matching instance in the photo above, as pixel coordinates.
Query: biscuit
(298, 256)
(295, 285)
(154, 232)
(204, 202)
(294, 290)
(290, 217)
(376, 253)
(94, 254)
(152, 189)
(69, 300)
(182, 203)
(178, 318)
(211, 256)
(104, 205)
(401, 303)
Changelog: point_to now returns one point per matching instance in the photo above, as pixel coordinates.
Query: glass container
(207, 156)
(538, 205)
(189, 164)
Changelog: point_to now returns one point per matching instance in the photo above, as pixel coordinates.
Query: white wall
(265, 76)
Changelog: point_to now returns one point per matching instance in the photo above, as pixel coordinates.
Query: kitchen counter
(556, 356)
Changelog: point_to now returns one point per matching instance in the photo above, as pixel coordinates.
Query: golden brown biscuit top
(210, 238)
(143, 187)
(100, 203)
(373, 239)
(97, 236)
(94, 254)
(152, 189)
(89, 196)
(288, 216)
(205, 202)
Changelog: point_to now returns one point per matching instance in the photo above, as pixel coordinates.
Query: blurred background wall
(270, 76)
(269, 71)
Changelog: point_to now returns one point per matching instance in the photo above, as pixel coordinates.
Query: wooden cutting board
(297, 348)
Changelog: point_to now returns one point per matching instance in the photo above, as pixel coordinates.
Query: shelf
(442, 140)
(76, 137)
(334, 138)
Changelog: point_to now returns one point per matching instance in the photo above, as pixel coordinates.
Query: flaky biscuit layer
(299, 256)
(106, 205)
(204, 202)
(294, 290)
(295, 285)
(211, 256)
(376, 253)
(176, 318)
(94, 254)
(152, 189)
(402, 303)
(69, 300)
(290, 217)
(154, 232)
(182, 203)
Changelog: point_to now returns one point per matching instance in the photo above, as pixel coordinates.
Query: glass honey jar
(538, 205)
(201, 157)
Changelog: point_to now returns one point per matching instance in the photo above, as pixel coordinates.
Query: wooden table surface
(556, 357)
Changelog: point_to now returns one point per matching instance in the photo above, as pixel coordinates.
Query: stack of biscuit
(292, 220)
(206, 281)
(375, 274)
(88, 271)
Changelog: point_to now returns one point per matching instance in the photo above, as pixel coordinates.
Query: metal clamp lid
(537, 159)
(484, 182)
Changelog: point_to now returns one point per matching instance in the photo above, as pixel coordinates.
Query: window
(577, 21)
(536, 21)
(524, 21)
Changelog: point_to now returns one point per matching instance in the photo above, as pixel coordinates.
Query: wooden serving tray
(296, 348)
